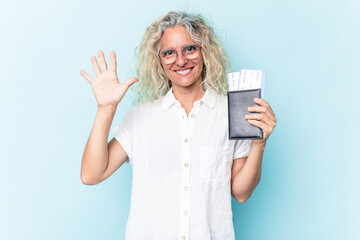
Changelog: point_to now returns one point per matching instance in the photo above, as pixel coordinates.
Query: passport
(238, 103)
(244, 86)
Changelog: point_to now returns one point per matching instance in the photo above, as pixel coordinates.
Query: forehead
(176, 37)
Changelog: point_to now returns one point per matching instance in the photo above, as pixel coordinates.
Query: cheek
(200, 64)
(166, 69)
(200, 67)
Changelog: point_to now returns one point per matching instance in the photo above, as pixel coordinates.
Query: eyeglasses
(190, 52)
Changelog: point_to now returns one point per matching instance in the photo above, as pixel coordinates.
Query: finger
(265, 128)
(261, 117)
(262, 109)
(263, 103)
(95, 65)
(86, 76)
(130, 81)
(102, 61)
(112, 61)
(256, 108)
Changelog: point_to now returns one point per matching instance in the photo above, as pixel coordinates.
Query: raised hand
(107, 89)
(264, 118)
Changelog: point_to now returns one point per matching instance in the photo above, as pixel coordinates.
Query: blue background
(310, 186)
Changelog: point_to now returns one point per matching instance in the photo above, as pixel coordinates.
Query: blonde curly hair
(153, 82)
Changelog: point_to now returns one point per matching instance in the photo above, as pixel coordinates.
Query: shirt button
(192, 115)
(201, 102)
(183, 237)
(185, 212)
(186, 188)
(182, 116)
(186, 164)
(186, 140)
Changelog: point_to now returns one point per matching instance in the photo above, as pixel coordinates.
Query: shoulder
(221, 103)
(222, 99)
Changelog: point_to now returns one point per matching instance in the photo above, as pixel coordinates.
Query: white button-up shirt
(181, 169)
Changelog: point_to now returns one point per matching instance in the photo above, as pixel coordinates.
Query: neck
(187, 96)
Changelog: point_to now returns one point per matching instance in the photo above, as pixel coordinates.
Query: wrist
(258, 144)
(108, 108)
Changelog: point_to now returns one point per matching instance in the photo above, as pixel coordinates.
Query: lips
(183, 72)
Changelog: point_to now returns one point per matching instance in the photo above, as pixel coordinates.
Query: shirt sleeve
(123, 134)
(242, 148)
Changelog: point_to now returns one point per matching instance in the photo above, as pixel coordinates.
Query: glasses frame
(182, 52)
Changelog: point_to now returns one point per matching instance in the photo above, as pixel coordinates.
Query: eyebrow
(181, 48)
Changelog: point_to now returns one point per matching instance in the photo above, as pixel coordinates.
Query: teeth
(184, 71)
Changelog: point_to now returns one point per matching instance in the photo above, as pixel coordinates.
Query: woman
(184, 167)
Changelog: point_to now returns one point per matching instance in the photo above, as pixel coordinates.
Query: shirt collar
(168, 100)
(208, 99)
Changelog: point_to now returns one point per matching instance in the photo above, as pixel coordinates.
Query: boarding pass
(247, 79)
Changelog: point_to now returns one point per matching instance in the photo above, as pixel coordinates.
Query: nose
(181, 60)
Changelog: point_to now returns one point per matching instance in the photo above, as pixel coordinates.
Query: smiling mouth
(183, 72)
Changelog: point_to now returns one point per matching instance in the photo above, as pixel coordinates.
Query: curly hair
(153, 82)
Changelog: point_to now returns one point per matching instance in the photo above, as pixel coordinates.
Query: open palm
(107, 89)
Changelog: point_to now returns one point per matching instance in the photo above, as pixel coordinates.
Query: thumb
(130, 81)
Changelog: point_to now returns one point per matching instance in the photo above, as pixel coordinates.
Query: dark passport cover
(238, 103)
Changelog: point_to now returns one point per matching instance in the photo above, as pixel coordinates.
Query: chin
(184, 82)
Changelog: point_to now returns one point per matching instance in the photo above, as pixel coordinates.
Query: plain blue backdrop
(310, 186)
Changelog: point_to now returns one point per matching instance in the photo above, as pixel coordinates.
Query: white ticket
(234, 81)
(247, 79)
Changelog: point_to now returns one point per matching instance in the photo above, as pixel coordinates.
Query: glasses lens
(168, 56)
(191, 51)
(169, 60)
(168, 53)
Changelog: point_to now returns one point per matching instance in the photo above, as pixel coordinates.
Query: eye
(190, 48)
(168, 53)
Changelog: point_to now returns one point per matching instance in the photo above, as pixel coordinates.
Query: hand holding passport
(244, 87)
